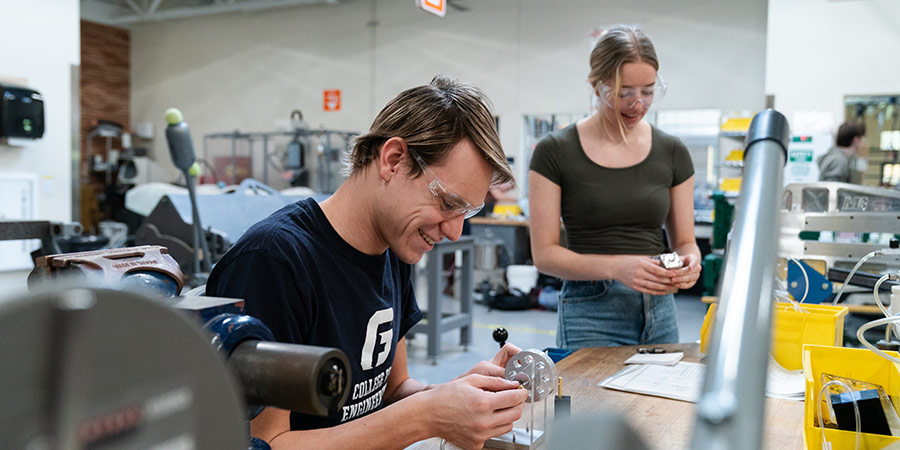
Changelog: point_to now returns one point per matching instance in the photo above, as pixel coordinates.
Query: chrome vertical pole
(731, 410)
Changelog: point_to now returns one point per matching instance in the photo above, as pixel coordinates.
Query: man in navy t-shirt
(337, 274)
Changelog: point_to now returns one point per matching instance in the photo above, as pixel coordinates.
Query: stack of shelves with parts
(728, 167)
(732, 134)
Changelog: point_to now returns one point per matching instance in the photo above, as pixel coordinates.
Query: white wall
(246, 71)
(821, 50)
(42, 51)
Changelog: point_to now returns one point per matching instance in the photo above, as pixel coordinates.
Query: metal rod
(533, 397)
(546, 400)
(195, 218)
(202, 263)
(730, 413)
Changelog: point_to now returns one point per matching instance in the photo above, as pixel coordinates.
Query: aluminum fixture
(731, 410)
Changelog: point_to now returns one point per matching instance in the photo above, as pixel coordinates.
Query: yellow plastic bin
(507, 210)
(821, 325)
(706, 328)
(824, 325)
(855, 363)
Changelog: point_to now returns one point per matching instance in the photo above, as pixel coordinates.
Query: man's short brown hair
(432, 119)
(847, 131)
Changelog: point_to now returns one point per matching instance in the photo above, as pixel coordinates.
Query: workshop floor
(527, 329)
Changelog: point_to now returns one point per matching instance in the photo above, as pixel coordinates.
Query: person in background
(337, 274)
(615, 180)
(838, 163)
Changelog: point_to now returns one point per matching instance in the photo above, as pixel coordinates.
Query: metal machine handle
(300, 378)
(730, 413)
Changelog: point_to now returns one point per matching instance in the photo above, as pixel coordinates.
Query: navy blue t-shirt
(297, 275)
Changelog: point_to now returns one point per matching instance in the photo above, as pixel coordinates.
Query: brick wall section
(105, 94)
(105, 78)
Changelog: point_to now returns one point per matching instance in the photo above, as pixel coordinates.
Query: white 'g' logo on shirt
(374, 338)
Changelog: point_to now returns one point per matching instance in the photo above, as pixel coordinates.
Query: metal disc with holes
(535, 371)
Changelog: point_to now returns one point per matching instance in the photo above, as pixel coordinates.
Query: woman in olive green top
(615, 180)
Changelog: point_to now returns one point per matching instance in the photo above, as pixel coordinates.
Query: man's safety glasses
(451, 204)
(629, 96)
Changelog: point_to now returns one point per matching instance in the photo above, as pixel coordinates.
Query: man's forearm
(393, 427)
(408, 387)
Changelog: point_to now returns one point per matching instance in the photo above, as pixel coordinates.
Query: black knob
(894, 243)
(501, 335)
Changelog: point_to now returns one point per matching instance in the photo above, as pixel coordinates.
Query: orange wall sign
(436, 7)
(332, 100)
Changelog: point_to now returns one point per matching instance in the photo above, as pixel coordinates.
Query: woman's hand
(644, 274)
(688, 274)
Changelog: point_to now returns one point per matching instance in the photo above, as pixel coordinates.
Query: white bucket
(522, 277)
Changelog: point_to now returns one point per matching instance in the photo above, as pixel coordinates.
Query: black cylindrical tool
(301, 378)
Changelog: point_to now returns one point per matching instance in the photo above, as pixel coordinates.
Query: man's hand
(496, 367)
(474, 408)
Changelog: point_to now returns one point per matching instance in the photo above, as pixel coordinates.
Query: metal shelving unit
(699, 130)
(535, 127)
(881, 116)
(301, 157)
(732, 133)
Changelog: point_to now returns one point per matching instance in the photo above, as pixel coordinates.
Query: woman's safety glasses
(630, 96)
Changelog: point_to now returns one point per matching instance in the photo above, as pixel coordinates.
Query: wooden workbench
(663, 423)
(498, 221)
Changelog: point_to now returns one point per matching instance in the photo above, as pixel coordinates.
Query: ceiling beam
(217, 8)
(140, 10)
(152, 7)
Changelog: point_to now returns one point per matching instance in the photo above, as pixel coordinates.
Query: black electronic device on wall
(21, 112)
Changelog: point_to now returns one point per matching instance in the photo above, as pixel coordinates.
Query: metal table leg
(436, 322)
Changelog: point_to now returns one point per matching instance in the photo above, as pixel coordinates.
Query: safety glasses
(451, 204)
(630, 96)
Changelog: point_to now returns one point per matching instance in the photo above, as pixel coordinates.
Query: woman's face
(638, 91)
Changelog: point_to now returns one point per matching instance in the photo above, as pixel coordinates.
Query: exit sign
(436, 7)
(331, 100)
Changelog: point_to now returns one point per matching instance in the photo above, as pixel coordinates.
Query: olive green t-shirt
(613, 211)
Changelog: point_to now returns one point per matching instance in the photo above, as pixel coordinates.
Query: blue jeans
(607, 313)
